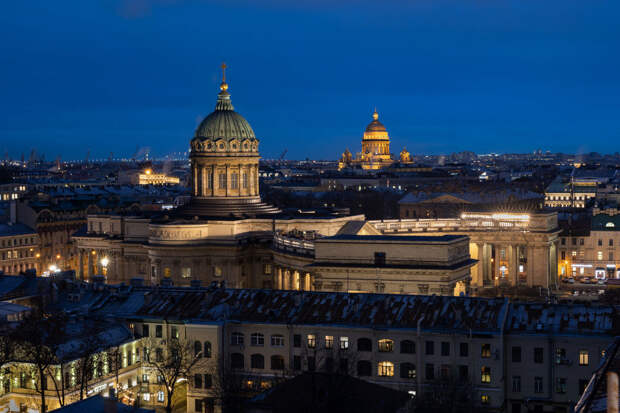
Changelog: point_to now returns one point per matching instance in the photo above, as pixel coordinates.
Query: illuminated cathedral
(375, 152)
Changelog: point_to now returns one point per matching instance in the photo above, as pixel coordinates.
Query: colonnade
(285, 278)
(90, 262)
(513, 263)
(225, 179)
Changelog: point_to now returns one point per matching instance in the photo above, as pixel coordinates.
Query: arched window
(277, 362)
(257, 361)
(207, 350)
(407, 347)
(236, 361)
(197, 348)
(236, 339)
(364, 344)
(386, 345)
(407, 371)
(386, 369)
(257, 339)
(364, 368)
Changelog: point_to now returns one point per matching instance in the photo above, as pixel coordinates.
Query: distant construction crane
(283, 154)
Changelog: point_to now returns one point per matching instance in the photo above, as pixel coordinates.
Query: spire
(375, 115)
(223, 98)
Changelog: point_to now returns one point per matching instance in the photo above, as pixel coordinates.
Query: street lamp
(105, 261)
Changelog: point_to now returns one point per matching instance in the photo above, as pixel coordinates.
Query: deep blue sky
(445, 75)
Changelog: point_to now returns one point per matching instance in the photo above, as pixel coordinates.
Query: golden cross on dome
(223, 72)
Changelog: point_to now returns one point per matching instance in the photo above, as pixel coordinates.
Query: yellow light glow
(57, 256)
(93, 252)
(148, 172)
(105, 261)
(38, 255)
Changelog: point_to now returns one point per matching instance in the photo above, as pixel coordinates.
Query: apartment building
(513, 357)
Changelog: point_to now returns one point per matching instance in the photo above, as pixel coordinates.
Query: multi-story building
(19, 248)
(591, 251)
(250, 339)
(355, 262)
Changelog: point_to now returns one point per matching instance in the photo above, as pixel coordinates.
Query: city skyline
(444, 76)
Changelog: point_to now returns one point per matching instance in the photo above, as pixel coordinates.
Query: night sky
(445, 75)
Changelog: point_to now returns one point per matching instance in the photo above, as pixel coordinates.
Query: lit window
(160, 396)
(222, 181)
(573, 253)
(584, 358)
(217, 271)
(267, 269)
(146, 397)
(344, 343)
(234, 181)
(485, 374)
(484, 399)
(485, 351)
(245, 180)
(186, 272)
(311, 341)
(386, 369)
(386, 345)
(329, 341)
(599, 255)
(257, 339)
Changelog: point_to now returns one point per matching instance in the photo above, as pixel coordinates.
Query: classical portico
(511, 248)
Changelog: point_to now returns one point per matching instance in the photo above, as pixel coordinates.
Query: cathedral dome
(224, 122)
(375, 129)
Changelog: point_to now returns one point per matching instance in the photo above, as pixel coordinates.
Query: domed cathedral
(224, 164)
(375, 152)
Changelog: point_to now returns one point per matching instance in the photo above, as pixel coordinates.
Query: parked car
(570, 280)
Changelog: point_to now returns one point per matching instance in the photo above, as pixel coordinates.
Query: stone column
(475, 251)
(296, 280)
(307, 282)
(512, 264)
(486, 265)
(195, 179)
(80, 264)
(256, 189)
(530, 266)
(90, 265)
(203, 189)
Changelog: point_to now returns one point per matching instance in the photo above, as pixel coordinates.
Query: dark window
(563, 254)
(208, 381)
(516, 354)
(236, 361)
(364, 344)
(198, 405)
(538, 355)
(485, 351)
(583, 383)
(257, 361)
(463, 373)
(364, 368)
(538, 384)
(197, 348)
(430, 348)
(379, 258)
(311, 364)
(277, 362)
(207, 350)
(343, 366)
(407, 347)
(516, 384)
(445, 348)
(329, 364)
(407, 371)
(574, 241)
(159, 355)
(611, 242)
(563, 241)
(516, 408)
(158, 331)
(296, 362)
(297, 340)
(198, 381)
(145, 330)
(464, 350)
(430, 371)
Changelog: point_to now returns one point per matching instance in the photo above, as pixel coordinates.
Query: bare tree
(38, 338)
(173, 359)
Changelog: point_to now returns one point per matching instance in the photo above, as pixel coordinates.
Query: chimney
(13, 212)
(109, 405)
(136, 282)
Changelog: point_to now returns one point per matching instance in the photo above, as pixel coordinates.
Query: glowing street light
(105, 261)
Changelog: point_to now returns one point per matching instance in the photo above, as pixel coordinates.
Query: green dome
(224, 122)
